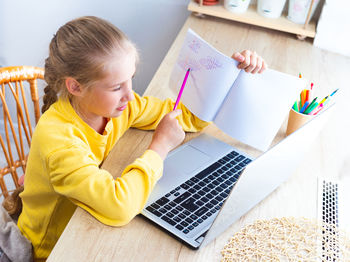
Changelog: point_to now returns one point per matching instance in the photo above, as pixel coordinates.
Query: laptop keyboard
(202, 196)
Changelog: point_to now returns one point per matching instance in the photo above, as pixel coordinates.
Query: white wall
(333, 29)
(26, 28)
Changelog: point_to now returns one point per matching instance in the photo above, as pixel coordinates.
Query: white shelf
(252, 17)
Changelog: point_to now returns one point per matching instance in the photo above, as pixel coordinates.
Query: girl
(88, 105)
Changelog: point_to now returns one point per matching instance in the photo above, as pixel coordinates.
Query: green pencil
(311, 109)
(295, 106)
(311, 106)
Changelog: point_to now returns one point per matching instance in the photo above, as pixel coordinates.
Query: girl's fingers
(175, 113)
(263, 68)
(246, 62)
(238, 57)
(253, 62)
(258, 66)
(250, 61)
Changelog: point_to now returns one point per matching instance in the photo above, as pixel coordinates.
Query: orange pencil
(307, 96)
(303, 97)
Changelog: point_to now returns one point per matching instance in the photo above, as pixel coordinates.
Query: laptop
(207, 184)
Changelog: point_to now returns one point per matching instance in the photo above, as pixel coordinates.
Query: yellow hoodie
(63, 170)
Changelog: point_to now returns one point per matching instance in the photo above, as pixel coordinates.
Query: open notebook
(240, 104)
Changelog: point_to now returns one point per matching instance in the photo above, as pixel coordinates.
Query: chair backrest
(17, 122)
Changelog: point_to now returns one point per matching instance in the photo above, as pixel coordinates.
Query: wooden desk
(86, 239)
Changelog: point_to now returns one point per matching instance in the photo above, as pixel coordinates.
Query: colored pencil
(182, 88)
(313, 109)
(310, 106)
(302, 99)
(295, 106)
(304, 107)
(320, 107)
(329, 97)
(324, 99)
(307, 95)
(334, 92)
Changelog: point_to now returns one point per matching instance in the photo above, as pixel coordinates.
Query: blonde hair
(80, 49)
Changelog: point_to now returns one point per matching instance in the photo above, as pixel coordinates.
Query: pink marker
(182, 88)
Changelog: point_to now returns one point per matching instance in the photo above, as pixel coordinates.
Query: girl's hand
(250, 61)
(167, 135)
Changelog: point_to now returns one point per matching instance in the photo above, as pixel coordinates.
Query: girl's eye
(117, 88)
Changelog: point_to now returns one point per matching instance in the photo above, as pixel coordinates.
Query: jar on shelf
(271, 8)
(236, 6)
(298, 10)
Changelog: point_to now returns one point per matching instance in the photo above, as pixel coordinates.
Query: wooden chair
(17, 127)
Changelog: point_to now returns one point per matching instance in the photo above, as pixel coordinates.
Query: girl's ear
(73, 86)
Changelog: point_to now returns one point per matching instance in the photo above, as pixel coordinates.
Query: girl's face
(109, 97)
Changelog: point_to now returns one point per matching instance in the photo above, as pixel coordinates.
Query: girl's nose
(129, 94)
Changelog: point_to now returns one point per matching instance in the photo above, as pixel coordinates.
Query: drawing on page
(210, 63)
(193, 64)
(189, 63)
(207, 63)
(194, 45)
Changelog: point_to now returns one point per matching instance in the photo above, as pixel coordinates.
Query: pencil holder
(296, 120)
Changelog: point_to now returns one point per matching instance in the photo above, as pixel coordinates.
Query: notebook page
(212, 75)
(257, 105)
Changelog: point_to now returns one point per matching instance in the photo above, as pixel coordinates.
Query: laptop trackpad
(188, 159)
